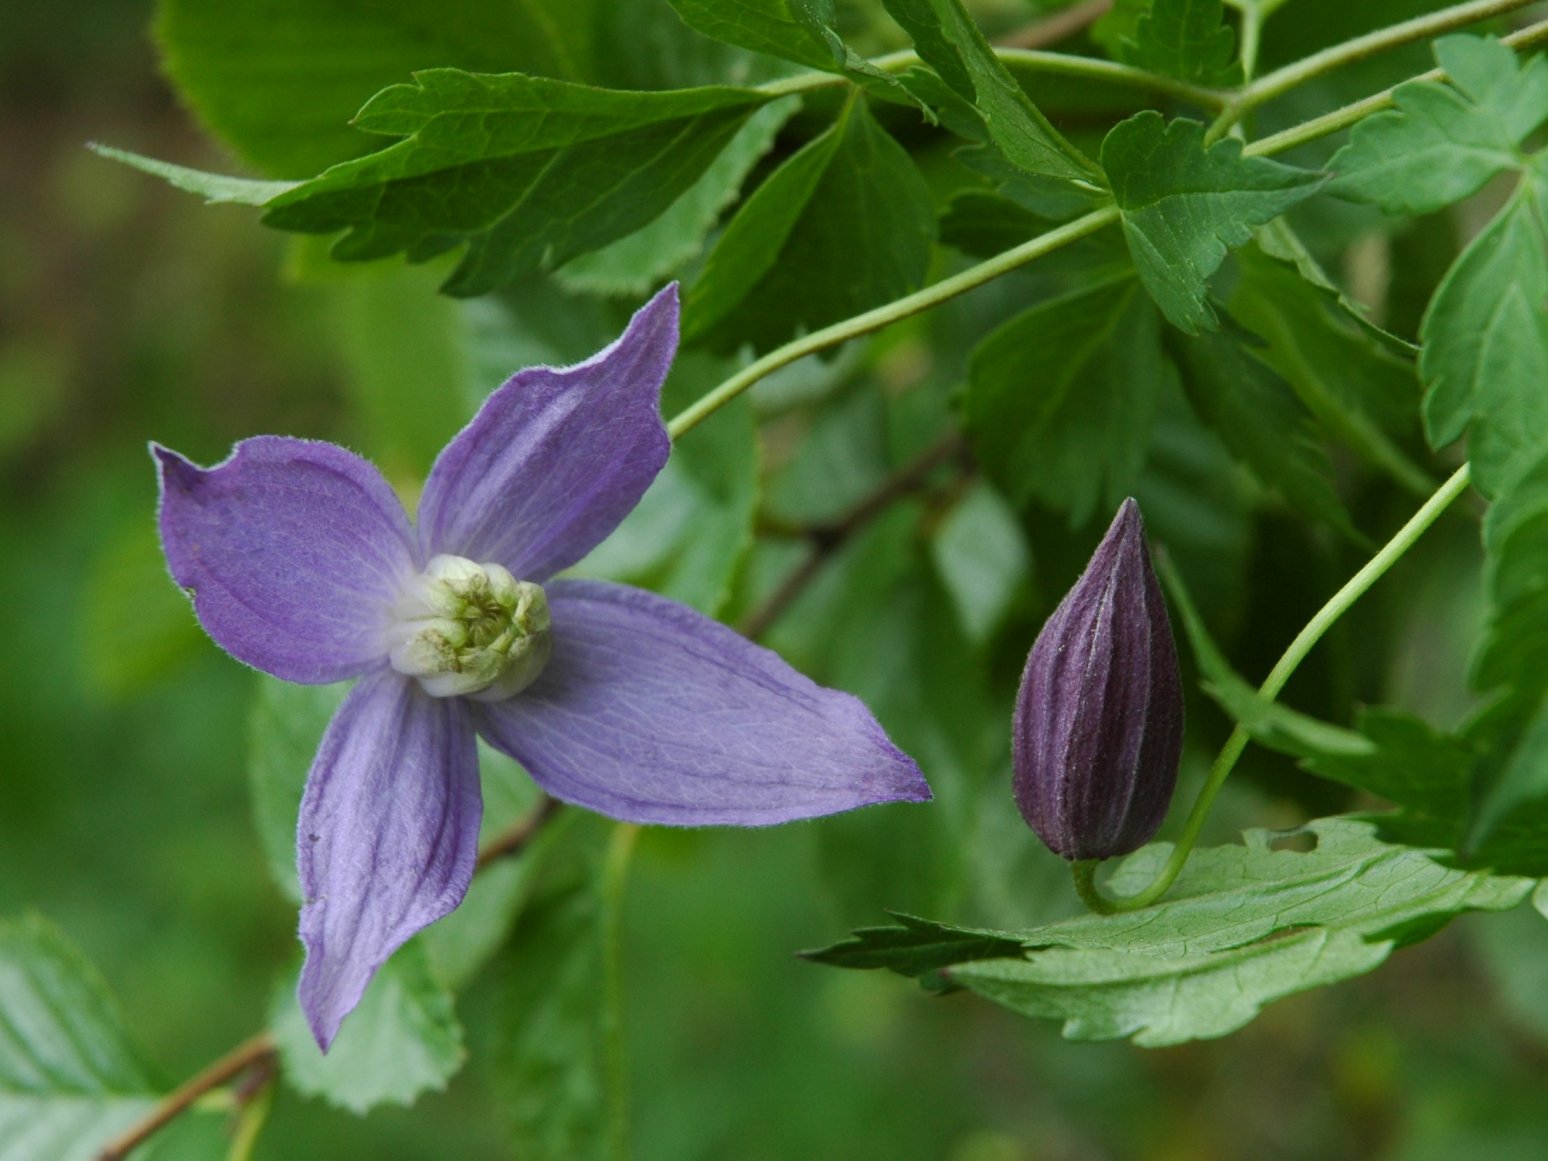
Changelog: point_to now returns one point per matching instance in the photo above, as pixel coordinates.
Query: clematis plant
(301, 562)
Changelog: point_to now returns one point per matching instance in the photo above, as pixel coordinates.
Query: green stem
(1027, 60)
(615, 877)
(1281, 81)
(1348, 115)
(1336, 607)
(887, 314)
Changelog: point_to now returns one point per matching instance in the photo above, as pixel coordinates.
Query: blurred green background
(129, 313)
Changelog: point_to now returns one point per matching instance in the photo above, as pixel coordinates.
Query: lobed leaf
(1187, 39)
(797, 30)
(523, 170)
(279, 81)
(1358, 390)
(1442, 141)
(1184, 204)
(844, 225)
(951, 44)
(1242, 926)
(1484, 358)
(637, 263)
(69, 1078)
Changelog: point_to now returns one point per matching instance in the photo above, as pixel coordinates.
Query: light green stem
(1348, 115)
(1337, 605)
(615, 877)
(1026, 60)
(1281, 81)
(874, 320)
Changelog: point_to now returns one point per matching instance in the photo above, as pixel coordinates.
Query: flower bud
(1098, 730)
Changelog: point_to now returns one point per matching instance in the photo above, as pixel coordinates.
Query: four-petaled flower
(302, 563)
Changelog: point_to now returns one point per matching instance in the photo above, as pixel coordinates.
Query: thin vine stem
(1347, 115)
(1281, 81)
(258, 1052)
(887, 314)
(1337, 605)
(1028, 60)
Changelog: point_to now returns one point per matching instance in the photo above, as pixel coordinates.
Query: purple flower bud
(1099, 719)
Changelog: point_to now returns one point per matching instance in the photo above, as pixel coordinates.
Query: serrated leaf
(1443, 141)
(1184, 205)
(951, 44)
(635, 264)
(69, 1077)
(916, 947)
(1485, 355)
(844, 225)
(796, 30)
(279, 80)
(403, 1040)
(1061, 399)
(1359, 391)
(689, 535)
(1187, 39)
(1255, 414)
(1242, 926)
(522, 170)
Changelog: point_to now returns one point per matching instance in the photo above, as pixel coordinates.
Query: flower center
(470, 630)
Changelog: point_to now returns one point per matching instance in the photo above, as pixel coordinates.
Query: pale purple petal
(556, 458)
(293, 551)
(651, 712)
(387, 838)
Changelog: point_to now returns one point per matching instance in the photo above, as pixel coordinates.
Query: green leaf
(691, 532)
(406, 364)
(797, 30)
(951, 44)
(1187, 39)
(1257, 416)
(1485, 355)
(1184, 205)
(1242, 926)
(634, 265)
(1509, 826)
(1061, 399)
(403, 1039)
(285, 727)
(917, 948)
(69, 1077)
(844, 225)
(551, 1018)
(983, 560)
(1388, 754)
(523, 170)
(280, 80)
(1442, 142)
(1359, 391)
(214, 188)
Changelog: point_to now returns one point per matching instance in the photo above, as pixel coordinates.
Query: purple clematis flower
(302, 563)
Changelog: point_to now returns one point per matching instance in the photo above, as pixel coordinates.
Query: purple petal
(293, 551)
(556, 458)
(387, 838)
(651, 712)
